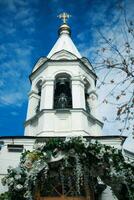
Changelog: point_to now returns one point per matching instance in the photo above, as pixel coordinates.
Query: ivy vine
(78, 163)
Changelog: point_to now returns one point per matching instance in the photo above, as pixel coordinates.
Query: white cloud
(28, 21)
(15, 66)
(90, 41)
(1, 83)
(10, 4)
(23, 51)
(7, 27)
(14, 113)
(17, 13)
(22, 14)
(15, 52)
(12, 99)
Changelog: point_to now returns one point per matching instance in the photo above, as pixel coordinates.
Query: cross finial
(64, 16)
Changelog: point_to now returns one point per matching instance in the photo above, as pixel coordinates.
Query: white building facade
(62, 102)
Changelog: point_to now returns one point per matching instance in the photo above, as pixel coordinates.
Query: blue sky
(28, 30)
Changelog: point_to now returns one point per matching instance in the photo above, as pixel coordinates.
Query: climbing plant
(78, 163)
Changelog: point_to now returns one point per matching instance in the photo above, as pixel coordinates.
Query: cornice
(103, 137)
(64, 60)
(36, 116)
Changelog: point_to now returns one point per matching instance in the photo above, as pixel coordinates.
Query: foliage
(5, 196)
(15, 180)
(74, 161)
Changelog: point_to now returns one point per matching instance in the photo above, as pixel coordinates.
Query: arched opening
(62, 92)
(87, 88)
(38, 88)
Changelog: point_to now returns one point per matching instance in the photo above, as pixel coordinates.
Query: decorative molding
(32, 92)
(93, 92)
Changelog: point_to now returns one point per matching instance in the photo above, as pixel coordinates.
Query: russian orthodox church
(62, 103)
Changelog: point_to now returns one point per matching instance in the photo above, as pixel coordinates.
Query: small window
(87, 88)
(15, 148)
(38, 86)
(1, 144)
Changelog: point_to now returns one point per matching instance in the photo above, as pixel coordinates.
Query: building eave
(60, 61)
(91, 137)
(63, 110)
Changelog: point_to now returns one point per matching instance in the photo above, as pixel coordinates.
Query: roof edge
(91, 137)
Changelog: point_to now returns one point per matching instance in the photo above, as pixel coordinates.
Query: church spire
(64, 28)
(64, 41)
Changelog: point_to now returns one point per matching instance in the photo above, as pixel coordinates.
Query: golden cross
(64, 16)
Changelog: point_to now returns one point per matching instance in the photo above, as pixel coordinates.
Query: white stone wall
(49, 123)
(64, 123)
(11, 158)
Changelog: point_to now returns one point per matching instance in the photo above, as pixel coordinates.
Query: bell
(62, 81)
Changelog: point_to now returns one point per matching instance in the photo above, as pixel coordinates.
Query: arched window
(62, 93)
(38, 87)
(87, 88)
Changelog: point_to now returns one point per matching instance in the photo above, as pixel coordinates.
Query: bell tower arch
(63, 91)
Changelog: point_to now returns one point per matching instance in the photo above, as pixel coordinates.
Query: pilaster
(78, 94)
(32, 104)
(47, 94)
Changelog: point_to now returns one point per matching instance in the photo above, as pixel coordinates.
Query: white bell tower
(63, 99)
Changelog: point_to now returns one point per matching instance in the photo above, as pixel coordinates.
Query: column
(32, 104)
(78, 94)
(47, 94)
